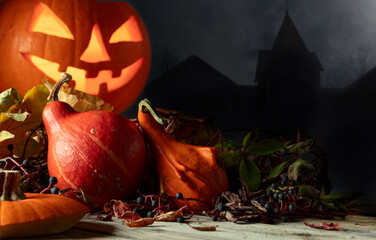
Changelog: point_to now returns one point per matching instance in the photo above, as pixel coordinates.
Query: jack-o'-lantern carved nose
(96, 49)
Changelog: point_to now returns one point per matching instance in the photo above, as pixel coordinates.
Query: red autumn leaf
(142, 222)
(325, 226)
(332, 226)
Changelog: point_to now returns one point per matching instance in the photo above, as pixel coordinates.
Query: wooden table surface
(356, 227)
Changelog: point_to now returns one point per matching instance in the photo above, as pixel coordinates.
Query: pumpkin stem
(147, 104)
(10, 186)
(65, 78)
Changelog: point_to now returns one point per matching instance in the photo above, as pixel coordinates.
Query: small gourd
(191, 170)
(33, 214)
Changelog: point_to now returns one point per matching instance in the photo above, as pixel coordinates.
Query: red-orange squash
(104, 45)
(189, 169)
(102, 153)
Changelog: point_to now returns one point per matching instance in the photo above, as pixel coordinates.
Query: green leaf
(265, 147)
(299, 148)
(341, 196)
(250, 138)
(335, 206)
(228, 144)
(301, 168)
(8, 98)
(230, 158)
(308, 191)
(250, 173)
(281, 168)
(4, 135)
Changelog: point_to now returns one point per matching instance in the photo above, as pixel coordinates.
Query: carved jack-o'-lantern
(103, 45)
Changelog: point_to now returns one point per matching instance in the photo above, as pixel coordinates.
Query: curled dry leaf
(171, 216)
(121, 210)
(80, 101)
(231, 197)
(129, 215)
(240, 216)
(76, 194)
(229, 216)
(205, 228)
(325, 226)
(142, 222)
(105, 218)
(258, 205)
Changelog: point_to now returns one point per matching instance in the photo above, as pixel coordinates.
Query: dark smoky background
(221, 58)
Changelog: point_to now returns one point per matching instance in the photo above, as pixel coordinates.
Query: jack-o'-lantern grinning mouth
(83, 83)
(45, 21)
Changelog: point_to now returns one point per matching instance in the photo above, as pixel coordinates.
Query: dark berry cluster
(152, 205)
(279, 199)
(33, 170)
(51, 186)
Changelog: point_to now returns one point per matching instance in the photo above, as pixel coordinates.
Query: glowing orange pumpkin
(103, 45)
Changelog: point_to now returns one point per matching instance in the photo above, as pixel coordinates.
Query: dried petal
(142, 222)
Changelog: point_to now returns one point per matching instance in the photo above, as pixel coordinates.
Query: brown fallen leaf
(325, 226)
(80, 101)
(171, 216)
(205, 228)
(19, 118)
(142, 222)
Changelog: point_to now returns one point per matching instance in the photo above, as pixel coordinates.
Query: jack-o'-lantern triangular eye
(45, 21)
(127, 32)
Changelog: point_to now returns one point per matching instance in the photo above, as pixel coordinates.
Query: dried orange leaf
(80, 101)
(171, 216)
(205, 228)
(142, 222)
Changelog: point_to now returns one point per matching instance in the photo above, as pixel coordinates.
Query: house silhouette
(287, 97)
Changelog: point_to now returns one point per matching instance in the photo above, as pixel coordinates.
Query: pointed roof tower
(288, 39)
(288, 42)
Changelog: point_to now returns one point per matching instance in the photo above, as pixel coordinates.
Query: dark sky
(228, 34)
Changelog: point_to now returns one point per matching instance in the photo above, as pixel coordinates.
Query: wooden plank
(226, 230)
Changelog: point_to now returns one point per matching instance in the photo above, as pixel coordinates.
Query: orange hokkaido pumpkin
(102, 153)
(33, 214)
(104, 45)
